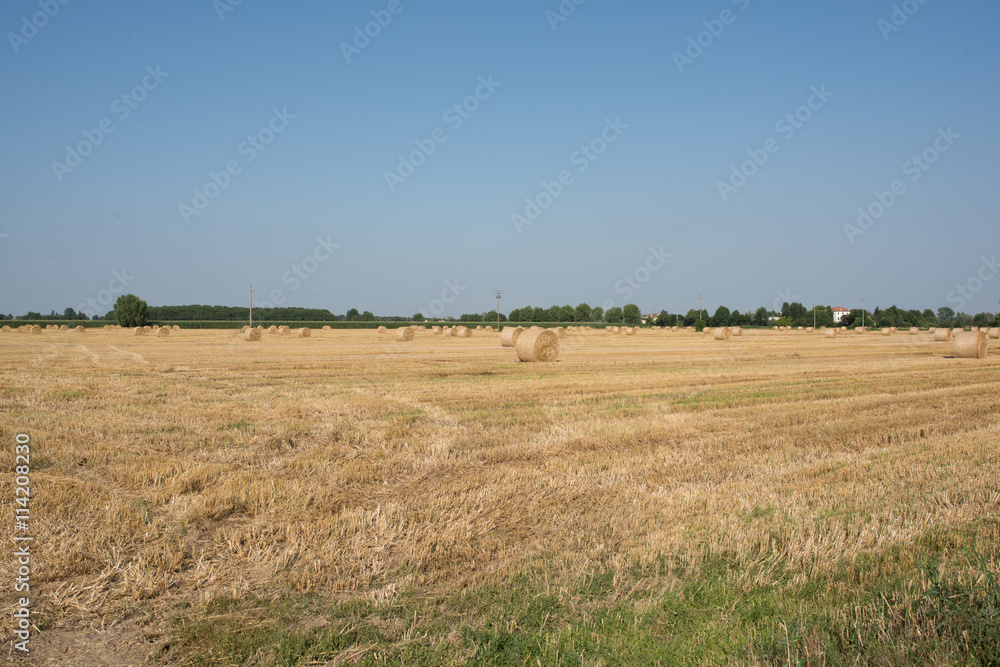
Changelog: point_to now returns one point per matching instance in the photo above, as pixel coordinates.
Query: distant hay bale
(464, 332)
(692, 328)
(272, 329)
(489, 328)
(831, 333)
(737, 331)
(561, 332)
(35, 330)
(616, 329)
(931, 329)
(479, 328)
(957, 330)
(707, 330)
(801, 328)
(942, 335)
(774, 328)
(64, 327)
(5, 329)
(970, 345)
(253, 335)
(886, 331)
(437, 330)
(537, 345)
(163, 331)
(147, 328)
(177, 327)
(809, 329)
(138, 331)
(994, 332)
(404, 334)
(245, 328)
(860, 330)
(453, 331)
(305, 332)
(629, 331)
(607, 328)
(383, 329)
(674, 328)
(284, 330)
(721, 333)
(914, 331)
(509, 336)
(326, 327)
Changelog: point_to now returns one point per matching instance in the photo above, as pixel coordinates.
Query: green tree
(664, 319)
(567, 314)
(352, 315)
(597, 314)
(721, 318)
(538, 314)
(583, 313)
(418, 317)
(945, 315)
(614, 315)
(759, 318)
(632, 315)
(130, 311)
(368, 317)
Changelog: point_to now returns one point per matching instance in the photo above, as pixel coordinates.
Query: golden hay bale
(64, 328)
(931, 329)
(957, 330)
(272, 329)
(801, 328)
(831, 333)
(35, 329)
(453, 331)
(616, 329)
(707, 330)
(629, 331)
(305, 332)
(942, 335)
(809, 329)
(5, 329)
(721, 333)
(464, 332)
(973, 329)
(147, 328)
(994, 332)
(970, 345)
(177, 327)
(285, 330)
(479, 328)
(560, 332)
(674, 328)
(914, 331)
(246, 328)
(80, 329)
(382, 329)
(253, 335)
(537, 345)
(138, 331)
(489, 328)
(886, 332)
(163, 331)
(404, 334)
(607, 328)
(774, 328)
(688, 328)
(860, 330)
(737, 331)
(509, 336)
(437, 331)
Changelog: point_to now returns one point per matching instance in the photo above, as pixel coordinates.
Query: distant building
(838, 313)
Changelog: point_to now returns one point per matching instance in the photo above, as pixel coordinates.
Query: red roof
(838, 309)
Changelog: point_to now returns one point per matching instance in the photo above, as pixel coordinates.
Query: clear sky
(328, 203)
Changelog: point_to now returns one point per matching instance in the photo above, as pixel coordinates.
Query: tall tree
(130, 311)
(632, 315)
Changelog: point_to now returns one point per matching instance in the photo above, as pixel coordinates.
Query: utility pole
(251, 306)
(498, 295)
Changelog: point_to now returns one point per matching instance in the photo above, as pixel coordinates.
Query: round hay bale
(737, 331)
(163, 331)
(147, 328)
(914, 331)
(886, 332)
(957, 330)
(464, 332)
(970, 345)
(801, 328)
(253, 335)
(616, 329)
(272, 329)
(973, 329)
(64, 327)
(860, 330)
(489, 328)
(404, 334)
(284, 331)
(5, 329)
(674, 328)
(707, 331)
(479, 328)
(629, 331)
(453, 331)
(831, 333)
(721, 333)
(383, 329)
(692, 328)
(509, 336)
(931, 329)
(607, 328)
(305, 332)
(80, 329)
(560, 331)
(774, 328)
(326, 327)
(138, 331)
(35, 329)
(809, 329)
(537, 345)
(177, 327)
(942, 335)
(437, 331)
(994, 332)
(246, 328)
(844, 329)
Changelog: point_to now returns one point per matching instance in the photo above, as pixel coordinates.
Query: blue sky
(329, 127)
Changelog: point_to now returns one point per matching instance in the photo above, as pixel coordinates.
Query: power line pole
(498, 295)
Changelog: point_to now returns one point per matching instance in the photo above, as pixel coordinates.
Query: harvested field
(348, 498)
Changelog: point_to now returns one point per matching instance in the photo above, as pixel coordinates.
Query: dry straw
(537, 345)
(404, 334)
(305, 332)
(943, 335)
(886, 332)
(721, 333)
(479, 328)
(272, 329)
(6, 329)
(436, 330)
(629, 331)
(64, 328)
(383, 329)
(509, 336)
(326, 327)
(489, 328)
(453, 331)
(163, 331)
(914, 331)
(254, 335)
(464, 332)
(284, 330)
(970, 345)
(138, 331)
(737, 331)
(35, 329)
(831, 333)
(560, 332)
(994, 332)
